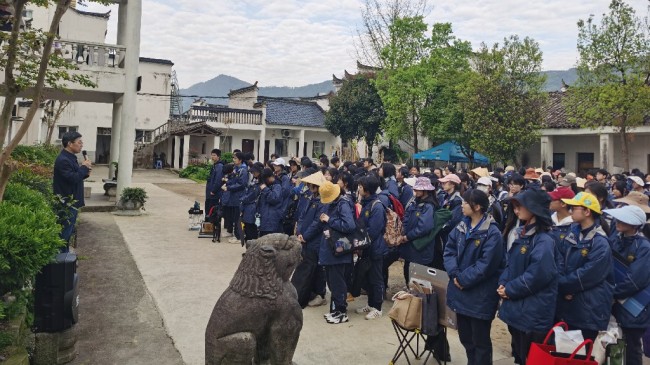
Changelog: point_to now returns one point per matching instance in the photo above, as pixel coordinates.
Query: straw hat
(316, 178)
(481, 172)
(329, 192)
(636, 198)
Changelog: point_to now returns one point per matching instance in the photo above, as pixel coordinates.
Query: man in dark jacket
(68, 182)
(213, 186)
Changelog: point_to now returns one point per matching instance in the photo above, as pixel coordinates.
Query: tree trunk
(415, 138)
(625, 147)
(48, 137)
(5, 163)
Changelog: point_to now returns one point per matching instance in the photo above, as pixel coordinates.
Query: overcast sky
(299, 42)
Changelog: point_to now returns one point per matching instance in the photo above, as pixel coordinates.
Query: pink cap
(451, 177)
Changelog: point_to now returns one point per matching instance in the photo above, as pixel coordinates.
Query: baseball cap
(637, 180)
(485, 181)
(279, 161)
(629, 214)
(567, 180)
(586, 200)
(563, 192)
(451, 177)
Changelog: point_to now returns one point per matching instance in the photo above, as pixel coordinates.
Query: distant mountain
(554, 79)
(221, 85)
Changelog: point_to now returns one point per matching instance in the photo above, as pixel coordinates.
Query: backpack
(394, 226)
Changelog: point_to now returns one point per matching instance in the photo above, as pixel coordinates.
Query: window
(225, 143)
(319, 148)
(142, 135)
(281, 147)
(203, 148)
(65, 129)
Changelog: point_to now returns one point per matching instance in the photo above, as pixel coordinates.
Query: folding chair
(404, 338)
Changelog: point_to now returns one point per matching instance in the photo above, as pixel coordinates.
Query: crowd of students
(537, 246)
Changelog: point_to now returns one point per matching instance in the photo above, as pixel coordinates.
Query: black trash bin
(56, 300)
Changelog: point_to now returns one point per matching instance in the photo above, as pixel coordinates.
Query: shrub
(196, 172)
(28, 241)
(40, 154)
(33, 180)
(138, 195)
(226, 157)
(19, 194)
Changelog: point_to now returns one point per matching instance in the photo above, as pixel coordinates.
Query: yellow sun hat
(586, 200)
(329, 192)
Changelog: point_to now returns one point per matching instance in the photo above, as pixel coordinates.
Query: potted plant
(133, 199)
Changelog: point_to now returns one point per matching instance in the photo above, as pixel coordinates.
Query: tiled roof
(156, 60)
(293, 113)
(243, 89)
(98, 15)
(361, 66)
(555, 113)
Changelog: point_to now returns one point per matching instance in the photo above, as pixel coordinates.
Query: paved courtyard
(149, 284)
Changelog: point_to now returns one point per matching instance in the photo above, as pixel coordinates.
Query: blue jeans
(67, 228)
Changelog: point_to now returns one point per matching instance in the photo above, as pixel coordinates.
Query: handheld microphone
(85, 154)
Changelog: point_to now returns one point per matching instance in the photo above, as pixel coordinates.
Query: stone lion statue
(258, 319)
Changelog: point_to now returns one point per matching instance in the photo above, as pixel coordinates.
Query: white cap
(279, 161)
(410, 181)
(484, 181)
(629, 214)
(637, 180)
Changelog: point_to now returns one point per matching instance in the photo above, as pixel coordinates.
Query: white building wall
(639, 149)
(73, 26)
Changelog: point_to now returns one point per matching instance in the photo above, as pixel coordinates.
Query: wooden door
(247, 145)
(267, 146)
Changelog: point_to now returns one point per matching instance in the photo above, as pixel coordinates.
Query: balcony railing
(91, 54)
(223, 115)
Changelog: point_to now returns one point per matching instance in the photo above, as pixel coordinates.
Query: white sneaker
(366, 309)
(234, 240)
(225, 234)
(374, 314)
(317, 301)
(337, 317)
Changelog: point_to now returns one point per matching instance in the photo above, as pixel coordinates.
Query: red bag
(544, 354)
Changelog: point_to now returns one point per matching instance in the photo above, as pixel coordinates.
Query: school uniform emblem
(584, 252)
(477, 243)
(523, 250)
(562, 236)
(417, 214)
(367, 213)
(630, 258)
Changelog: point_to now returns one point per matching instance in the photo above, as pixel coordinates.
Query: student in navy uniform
(585, 267)
(338, 216)
(474, 259)
(528, 285)
(418, 224)
(404, 189)
(374, 219)
(68, 182)
(215, 180)
(269, 206)
(309, 230)
(236, 186)
(249, 199)
(285, 182)
(634, 249)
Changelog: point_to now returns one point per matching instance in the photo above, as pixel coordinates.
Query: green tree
(423, 68)
(502, 99)
(356, 111)
(29, 65)
(613, 74)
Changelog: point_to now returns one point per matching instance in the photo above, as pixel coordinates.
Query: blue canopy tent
(451, 152)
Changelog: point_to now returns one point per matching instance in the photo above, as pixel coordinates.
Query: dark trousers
(234, 216)
(67, 228)
(209, 203)
(634, 351)
(228, 222)
(521, 342)
(319, 285)
(474, 334)
(250, 231)
(336, 282)
(376, 284)
(389, 259)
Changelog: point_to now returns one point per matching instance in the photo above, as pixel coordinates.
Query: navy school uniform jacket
(310, 226)
(636, 251)
(341, 218)
(586, 273)
(236, 185)
(418, 222)
(374, 218)
(405, 194)
(214, 182)
(69, 178)
(249, 202)
(225, 195)
(476, 258)
(391, 186)
(269, 208)
(530, 279)
(304, 198)
(285, 183)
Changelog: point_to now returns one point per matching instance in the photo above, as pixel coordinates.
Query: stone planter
(129, 208)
